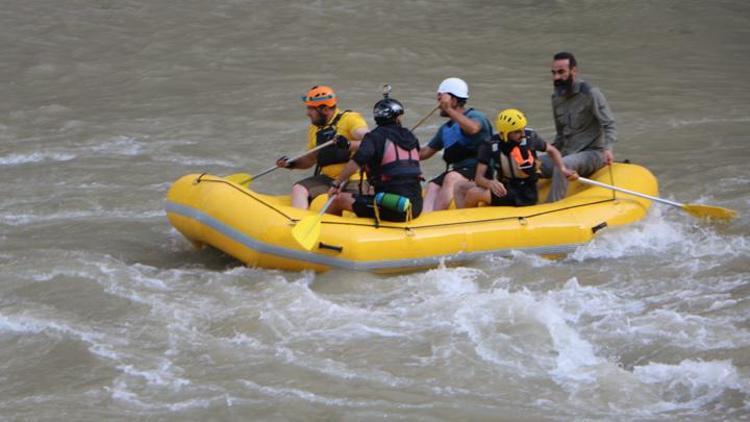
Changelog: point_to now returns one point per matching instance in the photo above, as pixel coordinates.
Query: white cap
(454, 86)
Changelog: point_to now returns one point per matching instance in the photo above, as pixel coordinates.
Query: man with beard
(584, 123)
(327, 123)
(390, 157)
(459, 138)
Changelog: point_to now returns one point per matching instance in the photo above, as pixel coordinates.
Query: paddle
(425, 118)
(245, 178)
(696, 210)
(307, 231)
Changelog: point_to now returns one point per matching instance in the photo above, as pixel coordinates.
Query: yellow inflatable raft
(256, 228)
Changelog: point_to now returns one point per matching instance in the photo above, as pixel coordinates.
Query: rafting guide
(340, 131)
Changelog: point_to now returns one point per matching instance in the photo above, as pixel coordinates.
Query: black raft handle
(322, 245)
(598, 227)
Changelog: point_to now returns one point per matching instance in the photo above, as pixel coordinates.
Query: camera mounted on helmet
(388, 109)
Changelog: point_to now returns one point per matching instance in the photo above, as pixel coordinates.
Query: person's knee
(299, 190)
(584, 163)
(473, 197)
(451, 180)
(460, 188)
(546, 166)
(431, 191)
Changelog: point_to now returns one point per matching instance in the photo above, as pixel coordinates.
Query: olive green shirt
(583, 120)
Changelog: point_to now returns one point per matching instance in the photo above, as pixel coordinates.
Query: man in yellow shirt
(327, 122)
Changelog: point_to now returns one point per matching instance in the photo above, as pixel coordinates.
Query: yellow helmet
(510, 120)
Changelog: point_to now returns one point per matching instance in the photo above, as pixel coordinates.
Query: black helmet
(386, 110)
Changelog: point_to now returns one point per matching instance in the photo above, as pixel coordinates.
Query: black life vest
(330, 154)
(398, 165)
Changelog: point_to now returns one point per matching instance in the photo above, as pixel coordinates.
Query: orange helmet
(320, 95)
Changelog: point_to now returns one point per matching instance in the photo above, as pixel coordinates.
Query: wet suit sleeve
(366, 154)
(536, 143)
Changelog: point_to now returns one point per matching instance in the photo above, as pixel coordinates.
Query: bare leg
(299, 197)
(428, 204)
(343, 201)
(460, 191)
(476, 195)
(445, 196)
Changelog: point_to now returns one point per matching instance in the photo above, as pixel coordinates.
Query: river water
(106, 312)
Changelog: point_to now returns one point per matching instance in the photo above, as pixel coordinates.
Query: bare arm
(356, 138)
(350, 168)
(493, 185)
(426, 152)
(468, 126)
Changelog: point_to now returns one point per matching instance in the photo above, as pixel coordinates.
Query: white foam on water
(36, 157)
(455, 281)
(663, 234)
(528, 322)
(516, 334)
(692, 384)
(162, 376)
(198, 161)
(687, 331)
(722, 304)
(121, 392)
(98, 344)
(97, 214)
(554, 334)
(286, 393)
(118, 146)
(173, 319)
(646, 237)
(515, 259)
(677, 123)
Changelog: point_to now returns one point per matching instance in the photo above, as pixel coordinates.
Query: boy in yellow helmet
(511, 155)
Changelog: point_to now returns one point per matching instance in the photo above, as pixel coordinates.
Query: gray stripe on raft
(331, 261)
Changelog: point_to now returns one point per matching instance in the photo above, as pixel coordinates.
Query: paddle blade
(709, 211)
(307, 231)
(242, 179)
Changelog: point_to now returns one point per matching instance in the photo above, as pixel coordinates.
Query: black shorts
(318, 185)
(519, 195)
(467, 172)
(364, 206)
